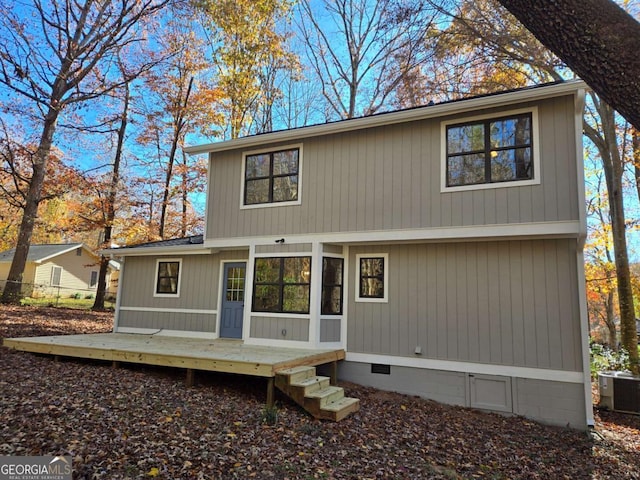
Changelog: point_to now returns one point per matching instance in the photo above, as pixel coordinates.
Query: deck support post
(115, 364)
(190, 377)
(333, 372)
(270, 392)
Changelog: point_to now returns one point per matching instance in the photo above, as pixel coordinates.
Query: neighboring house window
(79, 251)
(168, 278)
(272, 177)
(490, 151)
(282, 284)
(94, 279)
(56, 276)
(332, 275)
(372, 277)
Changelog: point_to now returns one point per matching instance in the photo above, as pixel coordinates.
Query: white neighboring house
(60, 269)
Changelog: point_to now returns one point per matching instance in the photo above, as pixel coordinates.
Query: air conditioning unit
(619, 391)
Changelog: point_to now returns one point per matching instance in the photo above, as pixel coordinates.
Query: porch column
(315, 294)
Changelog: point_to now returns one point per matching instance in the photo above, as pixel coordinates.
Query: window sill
(269, 205)
(487, 186)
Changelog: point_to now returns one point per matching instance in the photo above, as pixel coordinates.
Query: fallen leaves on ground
(142, 422)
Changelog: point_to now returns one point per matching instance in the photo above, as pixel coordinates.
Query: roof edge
(401, 116)
(197, 249)
(72, 246)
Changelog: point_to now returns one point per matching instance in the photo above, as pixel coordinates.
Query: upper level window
(168, 278)
(490, 151)
(272, 177)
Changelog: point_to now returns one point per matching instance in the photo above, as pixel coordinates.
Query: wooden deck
(228, 356)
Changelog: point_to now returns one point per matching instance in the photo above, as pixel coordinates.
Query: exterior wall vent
(380, 368)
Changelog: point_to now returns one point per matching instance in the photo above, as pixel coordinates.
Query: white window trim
(385, 298)
(155, 278)
(53, 275)
(268, 150)
(535, 142)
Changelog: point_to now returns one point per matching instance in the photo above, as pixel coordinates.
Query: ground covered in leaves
(142, 422)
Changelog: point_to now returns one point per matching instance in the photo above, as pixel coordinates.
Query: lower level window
(282, 284)
(332, 274)
(93, 281)
(372, 278)
(168, 278)
(56, 275)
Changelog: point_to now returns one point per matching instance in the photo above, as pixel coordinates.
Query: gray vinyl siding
(284, 248)
(335, 249)
(389, 178)
(273, 327)
(186, 321)
(555, 403)
(445, 387)
(503, 302)
(199, 290)
(330, 329)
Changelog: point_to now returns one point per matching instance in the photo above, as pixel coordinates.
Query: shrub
(270, 415)
(604, 358)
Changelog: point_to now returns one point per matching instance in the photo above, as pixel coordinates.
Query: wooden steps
(315, 394)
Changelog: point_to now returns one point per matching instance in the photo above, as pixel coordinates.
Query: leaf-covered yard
(142, 422)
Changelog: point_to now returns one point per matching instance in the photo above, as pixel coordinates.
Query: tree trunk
(610, 321)
(613, 169)
(596, 38)
(178, 127)
(185, 195)
(13, 288)
(636, 157)
(101, 290)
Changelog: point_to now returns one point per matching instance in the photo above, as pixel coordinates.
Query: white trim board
(568, 229)
(469, 367)
(169, 310)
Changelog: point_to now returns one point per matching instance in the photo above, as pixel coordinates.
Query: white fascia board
(497, 100)
(152, 251)
(569, 229)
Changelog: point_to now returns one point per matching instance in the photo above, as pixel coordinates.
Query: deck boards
(191, 353)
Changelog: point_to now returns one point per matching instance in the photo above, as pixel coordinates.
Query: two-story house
(441, 247)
